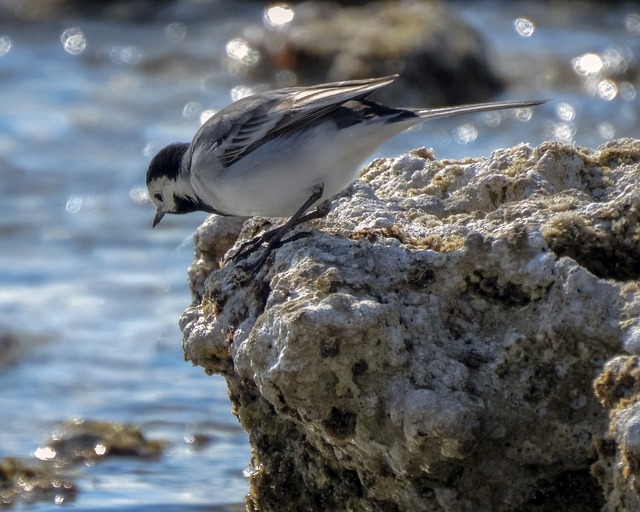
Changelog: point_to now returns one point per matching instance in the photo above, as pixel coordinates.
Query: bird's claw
(247, 248)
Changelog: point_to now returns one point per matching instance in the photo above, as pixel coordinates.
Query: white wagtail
(280, 153)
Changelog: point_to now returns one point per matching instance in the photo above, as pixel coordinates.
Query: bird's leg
(248, 247)
(273, 238)
(319, 212)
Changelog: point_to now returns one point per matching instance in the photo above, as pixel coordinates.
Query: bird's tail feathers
(437, 113)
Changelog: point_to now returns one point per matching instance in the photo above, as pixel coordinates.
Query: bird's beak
(157, 218)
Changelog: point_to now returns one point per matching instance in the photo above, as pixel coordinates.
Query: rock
(433, 345)
(117, 10)
(11, 347)
(18, 345)
(215, 236)
(23, 482)
(618, 467)
(81, 440)
(442, 60)
(76, 442)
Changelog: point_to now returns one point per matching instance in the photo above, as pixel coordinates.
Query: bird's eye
(158, 197)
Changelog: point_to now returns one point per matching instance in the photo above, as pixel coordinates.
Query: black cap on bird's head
(167, 161)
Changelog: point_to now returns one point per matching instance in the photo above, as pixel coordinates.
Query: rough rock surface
(433, 345)
(618, 469)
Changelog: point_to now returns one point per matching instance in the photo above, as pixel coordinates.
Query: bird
(284, 153)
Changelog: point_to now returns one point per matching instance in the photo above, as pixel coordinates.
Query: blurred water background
(90, 295)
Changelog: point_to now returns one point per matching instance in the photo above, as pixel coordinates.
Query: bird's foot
(273, 237)
(255, 266)
(247, 248)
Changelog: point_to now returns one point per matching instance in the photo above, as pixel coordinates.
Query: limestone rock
(433, 345)
(618, 468)
(215, 236)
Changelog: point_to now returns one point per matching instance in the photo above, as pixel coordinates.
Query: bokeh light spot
(627, 91)
(523, 114)
(45, 453)
(606, 130)
(139, 195)
(465, 134)
(192, 110)
(607, 89)
(588, 64)
(126, 54)
(632, 23)
(563, 132)
(491, 119)
(205, 115)
(524, 27)
(73, 41)
(566, 112)
(240, 91)
(175, 32)
(240, 50)
(278, 15)
(5, 45)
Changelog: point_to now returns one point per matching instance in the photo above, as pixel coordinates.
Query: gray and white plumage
(269, 153)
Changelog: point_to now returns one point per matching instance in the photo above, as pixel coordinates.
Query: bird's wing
(252, 121)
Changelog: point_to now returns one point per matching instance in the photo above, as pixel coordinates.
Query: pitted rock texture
(618, 467)
(432, 346)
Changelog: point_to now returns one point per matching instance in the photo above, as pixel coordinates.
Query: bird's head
(169, 188)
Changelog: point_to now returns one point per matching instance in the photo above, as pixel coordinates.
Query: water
(94, 294)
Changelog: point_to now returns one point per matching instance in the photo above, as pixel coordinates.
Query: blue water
(94, 294)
